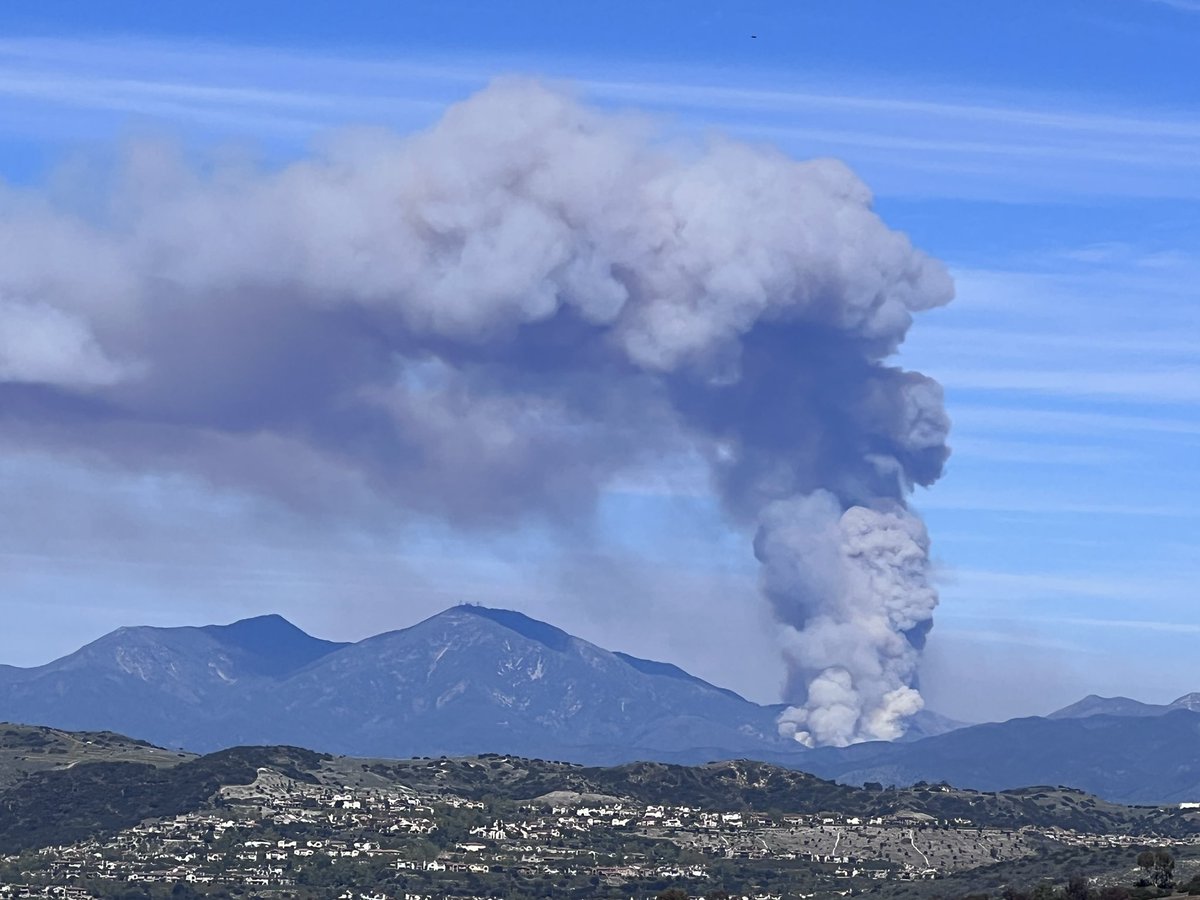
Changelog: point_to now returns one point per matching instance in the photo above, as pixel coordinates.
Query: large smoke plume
(487, 321)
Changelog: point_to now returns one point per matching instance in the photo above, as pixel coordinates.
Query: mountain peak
(270, 625)
(1095, 705)
(533, 629)
(1188, 701)
(560, 641)
(272, 644)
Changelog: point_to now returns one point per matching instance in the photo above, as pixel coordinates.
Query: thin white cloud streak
(1059, 622)
(248, 92)
(244, 107)
(1126, 624)
(1021, 639)
(178, 102)
(1178, 385)
(1039, 453)
(1041, 505)
(1120, 332)
(128, 92)
(1032, 344)
(219, 60)
(1030, 139)
(1192, 6)
(1118, 252)
(1078, 291)
(1076, 151)
(983, 584)
(976, 418)
(703, 96)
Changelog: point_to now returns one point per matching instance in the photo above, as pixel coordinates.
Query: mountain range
(474, 680)
(468, 680)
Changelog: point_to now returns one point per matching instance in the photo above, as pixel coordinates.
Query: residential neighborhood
(284, 837)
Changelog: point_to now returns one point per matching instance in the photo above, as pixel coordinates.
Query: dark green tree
(1159, 866)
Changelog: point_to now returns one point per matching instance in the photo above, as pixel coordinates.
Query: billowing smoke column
(487, 321)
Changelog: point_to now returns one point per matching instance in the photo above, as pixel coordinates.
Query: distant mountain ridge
(160, 680)
(470, 679)
(1126, 759)
(272, 645)
(1093, 705)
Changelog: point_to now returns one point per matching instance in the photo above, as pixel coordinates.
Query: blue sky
(1047, 152)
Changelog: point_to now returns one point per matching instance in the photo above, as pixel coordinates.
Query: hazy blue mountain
(1093, 705)
(270, 645)
(1187, 701)
(166, 683)
(473, 679)
(467, 680)
(1127, 759)
(927, 723)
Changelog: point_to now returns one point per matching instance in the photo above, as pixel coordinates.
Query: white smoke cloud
(489, 320)
(853, 589)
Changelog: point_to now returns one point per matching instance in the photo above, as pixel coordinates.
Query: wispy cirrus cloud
(908, 140)
(1036, 587)
(1173, 385)
(1039, 503)
(1183, 5)
(977, 418)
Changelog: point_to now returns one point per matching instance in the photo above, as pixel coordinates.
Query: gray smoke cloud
(489, 320)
